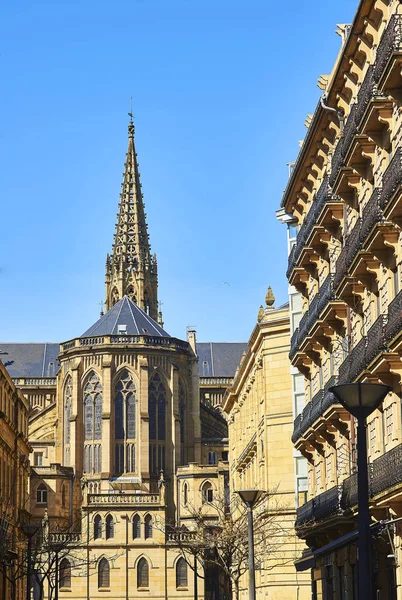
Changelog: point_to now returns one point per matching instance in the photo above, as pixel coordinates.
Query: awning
(308, 558)
(306, 561)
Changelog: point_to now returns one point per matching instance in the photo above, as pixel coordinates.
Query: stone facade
(14, 475)
(259, 409)
(344, 196)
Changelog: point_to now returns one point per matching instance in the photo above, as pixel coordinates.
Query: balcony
(323, 506)
(394, 323)
(349, 251)
(372, 214)
(386, 471)
(122, 499)
(322, 196)
(390, 43)
(313, 411)
(311, 316)
(392, 179)
(349, 492)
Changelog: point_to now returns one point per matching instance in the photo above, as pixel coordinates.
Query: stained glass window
(157, 424)
(125, 423)
(142, 573)
(68, 388)
(92, 423)
(103, 574)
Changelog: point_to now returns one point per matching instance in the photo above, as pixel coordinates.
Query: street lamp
(30, 529)
(361, 399)
(249, 498)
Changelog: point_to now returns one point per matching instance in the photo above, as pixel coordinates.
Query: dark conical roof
(125, 318)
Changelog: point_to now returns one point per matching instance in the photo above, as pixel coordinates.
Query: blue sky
(220, 91)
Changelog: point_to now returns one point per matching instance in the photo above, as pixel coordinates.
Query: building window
(181, 573)
(185, 494)
(68, 392)
(63, 495)
(142, 573)
(225, 455)
(38, 459)
(182, 413)
(207, 493)
(97, 527)
(212, 458)
(157, 425)
(125, 424)
(136, 527)
(41, 494)
(92, 423)
(148, 527)
(103, 574)
(65, 574)
(389, 422)
(372, 436)
(109, 527)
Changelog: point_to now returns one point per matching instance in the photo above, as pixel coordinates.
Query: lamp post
(249, 498)
(29, 530)
(360, 400)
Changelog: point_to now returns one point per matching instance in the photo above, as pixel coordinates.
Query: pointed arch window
(148, 527)
(181, 573)
(125, 424)
(92, 424)
(157, 425)
(68, 392)
(136, 527)
(65, 574)
(109, 527)
(182, 414)
(97, 527)
(142, 573)
(103, 574)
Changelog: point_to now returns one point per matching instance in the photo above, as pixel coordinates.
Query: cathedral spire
(131, 270)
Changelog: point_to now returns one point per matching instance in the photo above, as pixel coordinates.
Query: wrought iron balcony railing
(392, 178)
(322, 196)
(390, 42)
(323, 506)
(376, 339)
(394, 323)
(310, 317)
(351, 248)
(314, 410)
(349, 492)
(372, 214)
(386, 471)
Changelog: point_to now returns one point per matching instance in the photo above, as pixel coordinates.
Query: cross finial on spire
(130, 114)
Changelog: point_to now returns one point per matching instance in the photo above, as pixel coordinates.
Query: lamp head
(360, 399)
(249, 497)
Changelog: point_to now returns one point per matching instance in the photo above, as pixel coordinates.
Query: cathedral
(126, 430)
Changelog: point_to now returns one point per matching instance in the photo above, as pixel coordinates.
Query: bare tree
(217, 535)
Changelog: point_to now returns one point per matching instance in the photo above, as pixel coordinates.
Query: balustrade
(323, 506)
(392, 178)
(358, 359)
(123, 499)
(372, 214)
(376, 339)
(349, 492)
(391, 42)
(394, 323)
(386, 471)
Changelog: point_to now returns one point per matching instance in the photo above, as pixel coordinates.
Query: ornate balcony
(358, 359)
(392, 179)
(310, 317)
(322, 196)
(390, 42)
(349, 492)
(323, 506)
(394, 323)
(372, 214)
(386, 471)
(349, 251)
(376, 339)
(314, 410)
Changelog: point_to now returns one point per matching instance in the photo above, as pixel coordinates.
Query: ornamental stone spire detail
(131, 270)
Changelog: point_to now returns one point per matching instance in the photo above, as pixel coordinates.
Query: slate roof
(31, 360)
(219, 359)
(125, 313)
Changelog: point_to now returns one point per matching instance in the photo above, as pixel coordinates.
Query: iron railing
(372, 214)
(392, 178)
(323, 506)
(394, 323)
(386, 471)
(349, 492)
(314, 410)
(391, 42)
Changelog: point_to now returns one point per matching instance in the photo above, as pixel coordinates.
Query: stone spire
(131, 270)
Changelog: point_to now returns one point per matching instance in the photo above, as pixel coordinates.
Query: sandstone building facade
(14, 476)
(260, 418)
(344, 196)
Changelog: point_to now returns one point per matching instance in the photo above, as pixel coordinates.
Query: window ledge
(143, 589)
(104, 590)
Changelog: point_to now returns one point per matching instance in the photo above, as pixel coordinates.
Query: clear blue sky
(221, 89)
